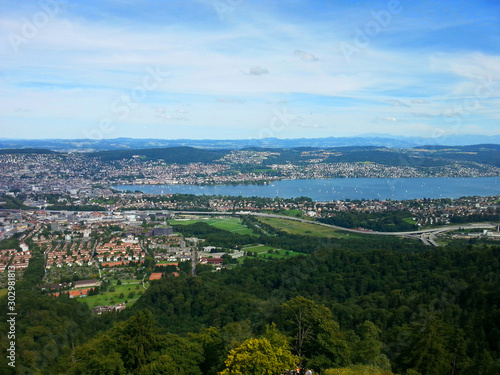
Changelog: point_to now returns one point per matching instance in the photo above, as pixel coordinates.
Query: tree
(368, 350)
(135, 346)
(183, 356)
(213, 346)
(315, 336)
(98, 357)
(259, 357)
(275, 337)
(431, 349)
(163, 365)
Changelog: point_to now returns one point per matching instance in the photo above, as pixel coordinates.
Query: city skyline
(240, 69)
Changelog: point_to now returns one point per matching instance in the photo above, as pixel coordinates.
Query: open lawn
(279, 254)
(409, 220)
(294, 213)
(259, 249)
(231, 224)
(3, 292)
(111, 298)
(305, 229)
(263, 252)
(128, 281)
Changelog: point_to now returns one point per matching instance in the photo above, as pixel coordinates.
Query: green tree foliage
(98, 357)
(378, 221)
(179, 155)
(315, 336)
(433, 311)
(383, 287)
(214, 236)
(475, 218)
(46, 327)
(259, 357)
(213, 346)
(13, 203)
(435, 347)
(368, 349)
(280, 239)
(217, 342)
(135, 346)
(10, 243)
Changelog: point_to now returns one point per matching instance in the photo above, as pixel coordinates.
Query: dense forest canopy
(382, 307)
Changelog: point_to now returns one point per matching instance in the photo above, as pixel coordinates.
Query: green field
(293, 213)
(231, 224)
(263, 170)
(409, 220)
(259, 249)
(263, 252)
(111, 298)
(3, 292)
(128, 281)
(305, 229)
(279, 255)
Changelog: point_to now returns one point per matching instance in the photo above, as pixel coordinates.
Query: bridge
(427, 236)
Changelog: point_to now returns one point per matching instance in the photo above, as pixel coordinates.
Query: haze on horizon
(239, 69)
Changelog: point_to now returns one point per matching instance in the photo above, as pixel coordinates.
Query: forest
(346, 307)
(392, 221)
(180, 155)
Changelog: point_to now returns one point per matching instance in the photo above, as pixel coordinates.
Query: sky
(248, 69)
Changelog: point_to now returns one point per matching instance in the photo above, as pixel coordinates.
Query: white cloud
(387, 119)
(77, 67)
(230, 101)
(314, 126)
(305, 56)
(399, 103)
(257, 71)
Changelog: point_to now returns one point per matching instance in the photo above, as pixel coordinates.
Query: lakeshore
(342, 188)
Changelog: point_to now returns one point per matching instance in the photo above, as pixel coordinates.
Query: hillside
(89, 144)
(180, 155)
(389, 306)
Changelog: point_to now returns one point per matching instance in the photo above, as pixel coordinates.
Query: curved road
(427, 236)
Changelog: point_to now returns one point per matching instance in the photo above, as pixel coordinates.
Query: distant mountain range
(65, 145)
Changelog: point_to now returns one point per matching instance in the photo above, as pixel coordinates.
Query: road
(427, 236)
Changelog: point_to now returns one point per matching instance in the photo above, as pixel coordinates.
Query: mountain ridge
(65, 145)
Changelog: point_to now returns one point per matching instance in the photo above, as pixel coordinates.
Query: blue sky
(239, 69)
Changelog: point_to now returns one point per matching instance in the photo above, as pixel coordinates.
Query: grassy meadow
(305, 229)
(231, 224)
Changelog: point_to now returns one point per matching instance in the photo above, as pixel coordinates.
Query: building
(102, 309)
(87, 283)
(163, 231)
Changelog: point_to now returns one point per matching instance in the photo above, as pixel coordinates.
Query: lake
(343, 188)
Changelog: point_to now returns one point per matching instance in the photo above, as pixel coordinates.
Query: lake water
(343, 188)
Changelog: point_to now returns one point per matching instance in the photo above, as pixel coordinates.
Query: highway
(427, 236)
